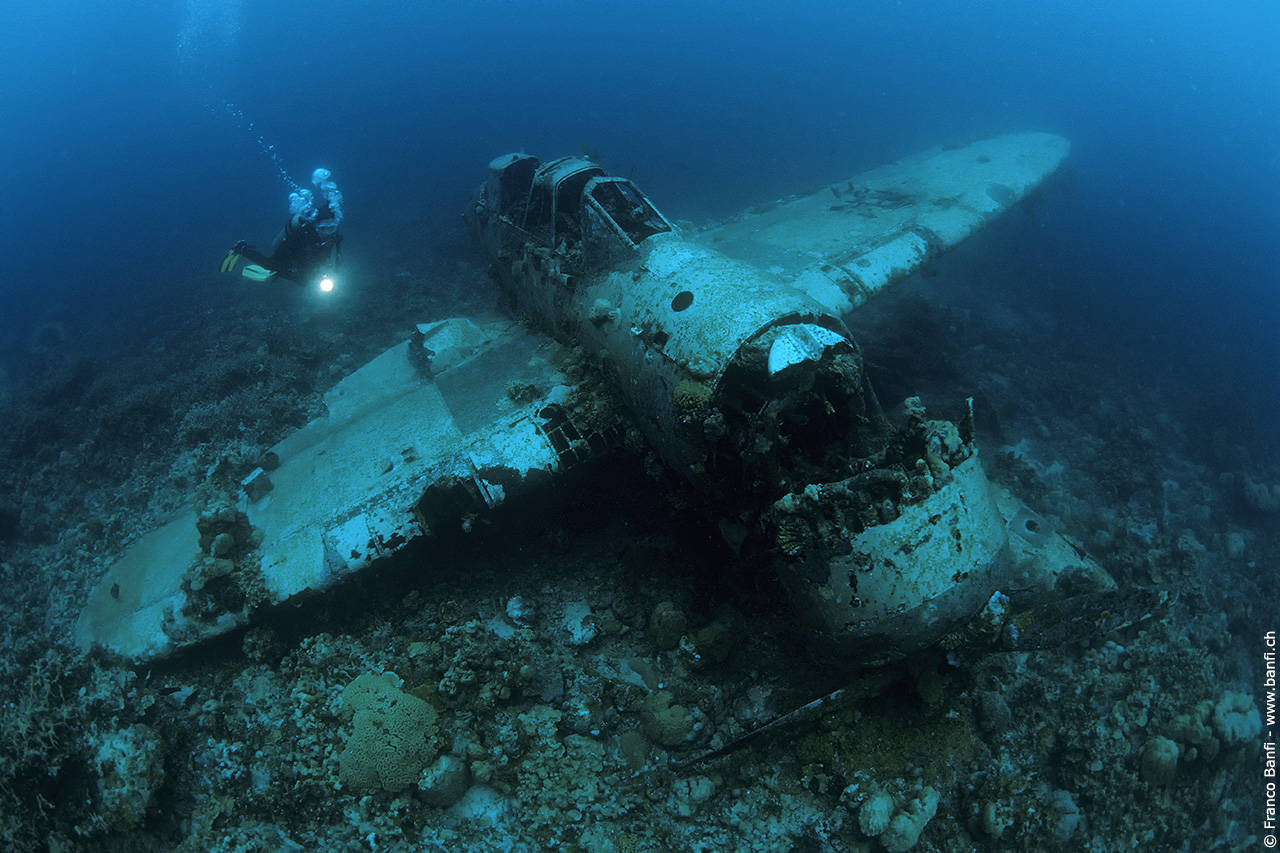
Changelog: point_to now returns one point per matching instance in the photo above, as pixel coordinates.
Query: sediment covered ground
(528, 686)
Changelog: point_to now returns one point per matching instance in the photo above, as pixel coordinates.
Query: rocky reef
(578, 677)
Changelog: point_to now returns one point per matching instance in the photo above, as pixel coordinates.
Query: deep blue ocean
(1119, 330)
(141, 138)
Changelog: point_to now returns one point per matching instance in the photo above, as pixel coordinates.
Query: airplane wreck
(724, 353)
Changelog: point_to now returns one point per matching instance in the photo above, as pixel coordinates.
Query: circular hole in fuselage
(1032, 525)
(682, 300)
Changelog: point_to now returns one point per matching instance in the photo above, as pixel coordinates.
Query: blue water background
(124, 174)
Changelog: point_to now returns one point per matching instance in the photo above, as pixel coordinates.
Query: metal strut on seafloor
(726, 349)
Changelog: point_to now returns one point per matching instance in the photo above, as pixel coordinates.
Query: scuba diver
(306, 251)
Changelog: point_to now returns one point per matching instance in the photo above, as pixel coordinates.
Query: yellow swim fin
(257, 273)
(230, 261)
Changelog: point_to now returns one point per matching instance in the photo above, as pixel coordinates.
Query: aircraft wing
(849, 239)
(400, 453)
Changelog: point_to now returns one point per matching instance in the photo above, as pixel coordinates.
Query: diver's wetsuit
(298, 252)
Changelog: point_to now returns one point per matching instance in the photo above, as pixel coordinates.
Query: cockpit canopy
(572, 207)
